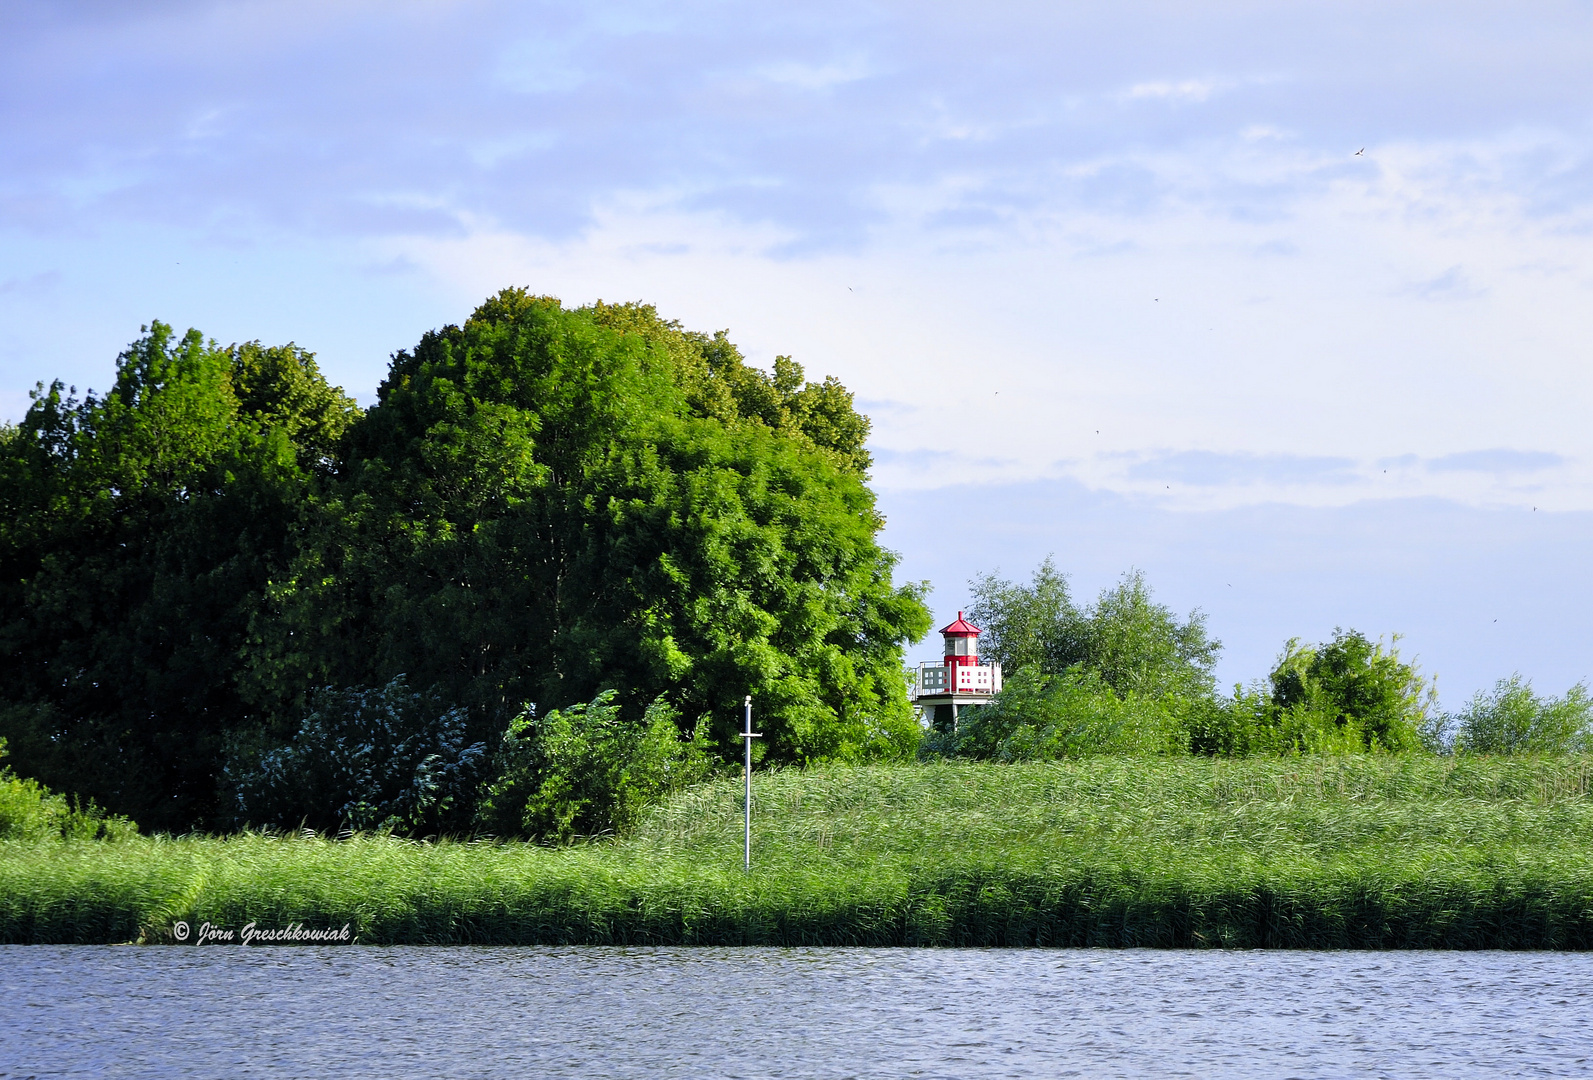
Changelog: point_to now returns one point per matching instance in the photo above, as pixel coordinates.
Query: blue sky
(1112, 280)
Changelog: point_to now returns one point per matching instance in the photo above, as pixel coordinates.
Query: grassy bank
(1361, 852)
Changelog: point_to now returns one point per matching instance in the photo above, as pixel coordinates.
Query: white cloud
(1184, 90)
(810, 76)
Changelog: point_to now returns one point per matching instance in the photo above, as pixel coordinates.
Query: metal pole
(746, 737)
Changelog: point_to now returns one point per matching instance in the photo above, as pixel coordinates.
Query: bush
(30, 811)
(1356, 685)
(1251, 722)
(586, 770)
(1045, 717)
(1511, 719)
(386, 758)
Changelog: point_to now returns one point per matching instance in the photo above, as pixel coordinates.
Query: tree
(137, 531)
(1358, 686)
(1028, 625)
(1134, 644)
(545, 504)
(1512, 719)
(1140, 646)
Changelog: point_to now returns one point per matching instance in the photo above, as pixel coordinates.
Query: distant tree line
(1127, 675)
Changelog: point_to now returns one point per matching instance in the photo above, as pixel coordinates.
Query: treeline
(526, 592)
(1126, 675)
(224, 587)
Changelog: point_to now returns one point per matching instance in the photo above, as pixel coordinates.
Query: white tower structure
(958, 680)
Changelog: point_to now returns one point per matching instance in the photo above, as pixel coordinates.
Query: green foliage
(1251, 722)
(1346, 697)
(1035, 625)
(546, 503)
(1121, 676)
(1512, 719)
(1046, 717)
(1141, 647)
(281, 393)
(1134, 644)
(585, 770)
(543, 503)
(31, 812)
(1134, 679)
(1357, 686)
(137, 532)
(386, 758)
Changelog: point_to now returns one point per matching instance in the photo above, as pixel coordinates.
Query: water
(400, 1013)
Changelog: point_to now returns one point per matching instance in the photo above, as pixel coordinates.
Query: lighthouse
(959, 679)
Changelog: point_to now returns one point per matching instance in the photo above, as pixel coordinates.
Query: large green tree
(548, 503)
(543, 505)
(137, 532)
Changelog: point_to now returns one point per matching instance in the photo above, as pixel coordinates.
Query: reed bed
(1361, 852)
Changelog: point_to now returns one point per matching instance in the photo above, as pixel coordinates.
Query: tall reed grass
(1358, 852)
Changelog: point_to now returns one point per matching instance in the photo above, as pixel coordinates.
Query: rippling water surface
(235, 1011)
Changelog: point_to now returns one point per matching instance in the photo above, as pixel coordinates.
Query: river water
(400, 1013)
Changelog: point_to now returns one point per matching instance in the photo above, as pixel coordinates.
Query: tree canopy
(1131, 642)
(137, 530)
(543, 504)
(1358, 686)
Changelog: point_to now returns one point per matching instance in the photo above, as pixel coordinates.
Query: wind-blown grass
(1358, 852)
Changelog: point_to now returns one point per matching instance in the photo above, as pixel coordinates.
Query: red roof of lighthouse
(961, 626)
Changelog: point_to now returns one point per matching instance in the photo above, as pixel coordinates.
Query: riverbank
(1359, 852)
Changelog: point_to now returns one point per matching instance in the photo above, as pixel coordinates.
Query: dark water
(234, 1011)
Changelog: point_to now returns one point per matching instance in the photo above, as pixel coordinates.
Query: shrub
(1511, 719)
(30, 811)
(1251, 722)
(386, 758)
(1358, 686)
(586, 770)
(1044, 717)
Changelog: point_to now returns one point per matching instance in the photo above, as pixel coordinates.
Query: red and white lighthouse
(942, 689)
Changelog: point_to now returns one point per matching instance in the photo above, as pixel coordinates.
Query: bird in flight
(1359, 152)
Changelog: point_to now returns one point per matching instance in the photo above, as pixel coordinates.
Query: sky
(1286, 305)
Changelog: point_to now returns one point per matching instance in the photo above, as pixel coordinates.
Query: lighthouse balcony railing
(939, 680)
